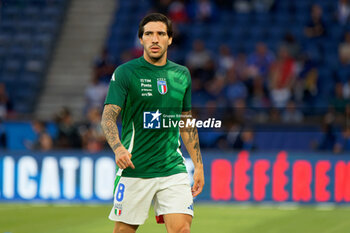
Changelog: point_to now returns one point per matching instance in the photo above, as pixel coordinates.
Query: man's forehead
(155, 26)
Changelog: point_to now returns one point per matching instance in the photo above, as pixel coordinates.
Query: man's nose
(155, 38)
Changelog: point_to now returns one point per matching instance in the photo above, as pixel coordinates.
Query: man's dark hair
(156, 17)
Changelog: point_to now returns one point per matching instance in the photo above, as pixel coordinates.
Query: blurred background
(278, 69)
(276, 72)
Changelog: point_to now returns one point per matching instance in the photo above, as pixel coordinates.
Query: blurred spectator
(344, 49)
(224, 4)
(274, 115)
(198, 56)
(179, 38)
(245, 140)
(215, 90)
(3, 137)
(338, 101)
(346, 90)
(258, 97)
(104, 67)
(315, 28)
(305, 88)
(260, 61)
(291, 44)
(343, 141)
(326, 139)
(291, 114)
(241, 113)
(5, 103)
(235, 89)
(93, 138)
(343, 11)
(262, 5)
(126, 56)
(177, 12)
(234, 129)
(68, 135)
(95, 95)
(43, 140)
(161, 6)
(282, 77)
(206, 73)
(241, 66)
(226, 60)
(202, 10)
(242, 6)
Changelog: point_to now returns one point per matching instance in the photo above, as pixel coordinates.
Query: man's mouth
(155, 49)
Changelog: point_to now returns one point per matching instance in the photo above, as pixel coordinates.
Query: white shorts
(133, 198)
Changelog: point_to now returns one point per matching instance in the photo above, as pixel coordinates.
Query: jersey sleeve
(187, 98)
(118, 88)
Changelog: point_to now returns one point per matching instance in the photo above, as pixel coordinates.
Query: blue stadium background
(231, 81)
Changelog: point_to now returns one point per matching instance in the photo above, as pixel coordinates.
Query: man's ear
(141, 41)
(170, 41)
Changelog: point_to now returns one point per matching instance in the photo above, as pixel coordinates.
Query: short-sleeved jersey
(149, 96)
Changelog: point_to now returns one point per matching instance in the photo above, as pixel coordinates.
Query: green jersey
(152, 98)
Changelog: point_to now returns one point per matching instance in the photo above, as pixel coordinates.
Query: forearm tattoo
(109, 125)
(193, 142)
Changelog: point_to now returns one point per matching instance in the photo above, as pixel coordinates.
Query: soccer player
(153, 95)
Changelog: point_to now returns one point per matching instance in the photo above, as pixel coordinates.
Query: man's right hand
(123, 158)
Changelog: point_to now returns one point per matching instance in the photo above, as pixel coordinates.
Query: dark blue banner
(234, 177)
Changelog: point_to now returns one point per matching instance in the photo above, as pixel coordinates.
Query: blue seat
(336, 33)
(284, 6)
(238, 32)
(37, 52)
(45, 39)
(26, 26)
(16, 51)
(12, 64)
(47, 26)
(257, 32)
(31, 12)
(325, 81)
(8, 26)
(226, 17)
(275, 33)
(301, 18)
(242, 18)
(52, 12)
(262, 19)
(5, 39)
(24, 39)
(280, 19)
(343, 74)
(11, 12)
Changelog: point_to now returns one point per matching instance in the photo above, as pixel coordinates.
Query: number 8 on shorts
(120, 192)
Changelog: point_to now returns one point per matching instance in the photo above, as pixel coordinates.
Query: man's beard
(156, 58)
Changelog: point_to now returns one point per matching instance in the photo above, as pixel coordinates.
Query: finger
(197, 191)
(129, 163)
(121, 164)
(132, 165)
(195, 186)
